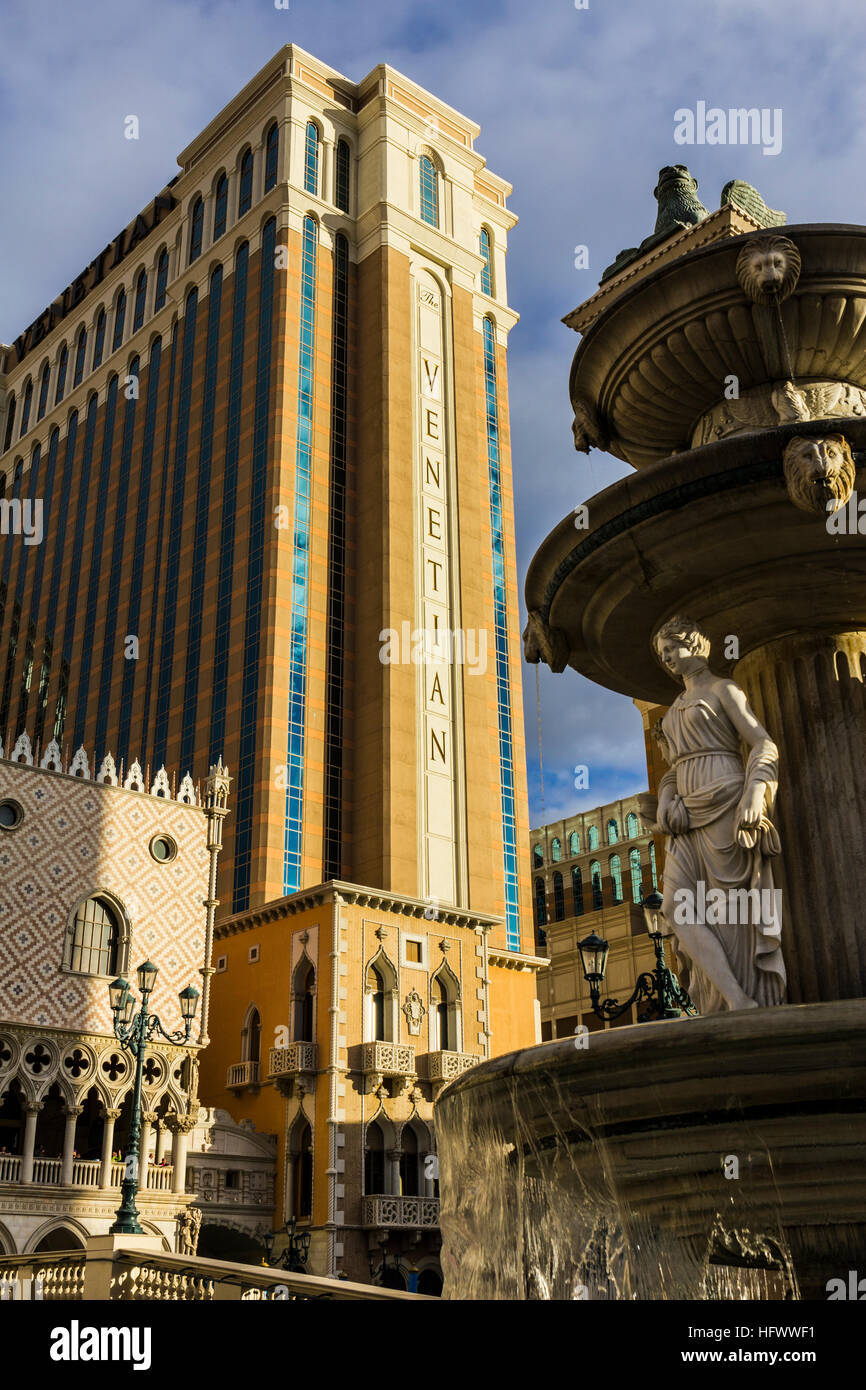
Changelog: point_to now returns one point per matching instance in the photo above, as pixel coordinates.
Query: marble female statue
(714, 806)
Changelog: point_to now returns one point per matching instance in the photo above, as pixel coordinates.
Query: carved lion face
(819, 472)
(768, 268)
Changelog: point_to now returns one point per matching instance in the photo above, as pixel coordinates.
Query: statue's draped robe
(707, 773)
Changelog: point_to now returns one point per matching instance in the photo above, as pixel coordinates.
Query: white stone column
(31, 1110)
(71, 1112)
(109, 1118)
(394, 1156)
(162, 1142)
(148, 1118)
(180, 1126)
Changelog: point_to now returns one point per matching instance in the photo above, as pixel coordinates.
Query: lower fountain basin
(662, 1160)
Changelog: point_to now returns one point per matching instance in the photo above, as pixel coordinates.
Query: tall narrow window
(558, 898)
(305, 982)
(311, 159)
(341, 178)
(573, 844)
(595, 873)
(540, 903)
(592, 839)
(25, 411)
(119, 319)
(272, 147)
(636, 875)
(245, 184)
(10, 423)
(43, 391)
(62, 364)
(99, 339)
(302, 1195)
(220, 206)
(95, 939)
(196, 227)
(251, 1037)
(556, 849)
(409, 1166)
(378, 1004)
(487, 256)
(537, 856)
(612, 832)
(616, 877)
(443, 1031)
(140, 298)
(632, 826)
(161, 280)
(374, 1160)
(577, 891)
(429, 190)
(652, 857)
(80, 355)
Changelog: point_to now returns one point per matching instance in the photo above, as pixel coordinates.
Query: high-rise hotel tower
(268, 429)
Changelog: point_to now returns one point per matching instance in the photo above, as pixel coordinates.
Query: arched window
(632, 826)
(444, 1012)
(537, 856)
(487, 256)
(592, 837)
(245, 183)
(652, 857)
(119, 317)
(311, 159)
(272, 146)
(595, 874)
(636, 872)
(612, 832)
(616, 877)
(80, 355)
(140, 297)
(43, 391)
(10, 423)
(540, 903)
(558, 898)
(381, 992)
(378, 1003)
(25, 410)
(573, 844)
(220, 206)
(429, 191)
(302, 1176)
(577, 891)
(251, 1036)
(342, 175)
(196, 228)
(94, 939)
(304, 997)
(99, 339)
(62, 364)
(556, 849)
(161, 279)
(374, 1160)
(410, 1163)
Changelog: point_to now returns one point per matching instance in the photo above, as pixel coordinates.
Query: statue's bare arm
(733, 701)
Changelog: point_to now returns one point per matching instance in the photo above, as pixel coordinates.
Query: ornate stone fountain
(726, 361)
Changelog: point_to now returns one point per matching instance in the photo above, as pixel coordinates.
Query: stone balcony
(86, 1173)
(385, 1059)
(242, 1074)
(413, 1213)
(294, 1068)
(442, 1067)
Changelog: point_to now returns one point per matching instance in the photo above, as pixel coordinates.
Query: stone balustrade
(296, 1059)
(445, 1066)
(243, 1074)
(388, 1059)
(86, 1172)
(413, 1212)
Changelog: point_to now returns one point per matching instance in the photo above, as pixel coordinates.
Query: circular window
(163, 848)
(11, 815)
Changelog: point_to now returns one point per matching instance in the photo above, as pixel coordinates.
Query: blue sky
(577, 111)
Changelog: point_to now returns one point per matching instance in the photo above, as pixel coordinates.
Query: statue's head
(768, 268)
(674, 176)
(679, 644)
(819, 472)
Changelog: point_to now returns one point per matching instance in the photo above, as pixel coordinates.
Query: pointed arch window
(311, 159)
(429, 191)
(613, 832)
(486, 250)
(140, 299)
(220, 206)
(25, 410)
(272, 149)
(251, 1036)
(381, 995)
(99, 339)
(119, 318)
(577, 891)
(558, 898)
(592, 837)
(556, 849)
(632, 826)
(62, 365)
(540, 903)
(245, 184)
(302, 1176)
(196, 229)
(161, 280)
(95, 939)
(444, 1012)
(10, 423)
(410, 1163)
(615, 865)
(80, 355)
(595, 875)
(304, 1000)
(374, 1160)
(342, 175)
(636, 872)
(43, 391)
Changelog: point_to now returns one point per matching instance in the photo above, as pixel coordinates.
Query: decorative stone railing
(136, 1275)
(159, 1177)
(295, 1060)
(445, 1066)
(243, 1074)
(388, 1059)
(417, 1212)
(85, 1172)
(10, 1167)
(46, 1170)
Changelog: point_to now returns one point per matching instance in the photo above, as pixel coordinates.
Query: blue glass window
(43, 391)
(577, 891)
(220, 206)
(196, 227)
(429, 191)
(272, 147)
(119, 318)
(537, 856)
(161, 280)
(595, 874)
(341, 180)
(652, 858)
(616, 877)
(636, 875)
(99, 339)
(612, 832)
(94, 592)
(487, 268)
(10, 422)
(335, 694)
(311, 159)
(592, 838)
(245, 184)
(558, 898)
(80, 355)
(540, 903)
(632, 826)
(25, 413)
(74, 573)
(556, 850)
(573, 844)
(62, 364)
(140, 299)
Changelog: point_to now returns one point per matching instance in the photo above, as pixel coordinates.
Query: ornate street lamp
(293, 1257)
(664, 995)
(134, 1031)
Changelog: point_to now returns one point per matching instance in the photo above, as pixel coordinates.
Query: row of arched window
(594, 887)
(430, 178)
(632, 830)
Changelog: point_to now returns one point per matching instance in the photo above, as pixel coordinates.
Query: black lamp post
(134, 1031)
(664, 995)
(293, 1257)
